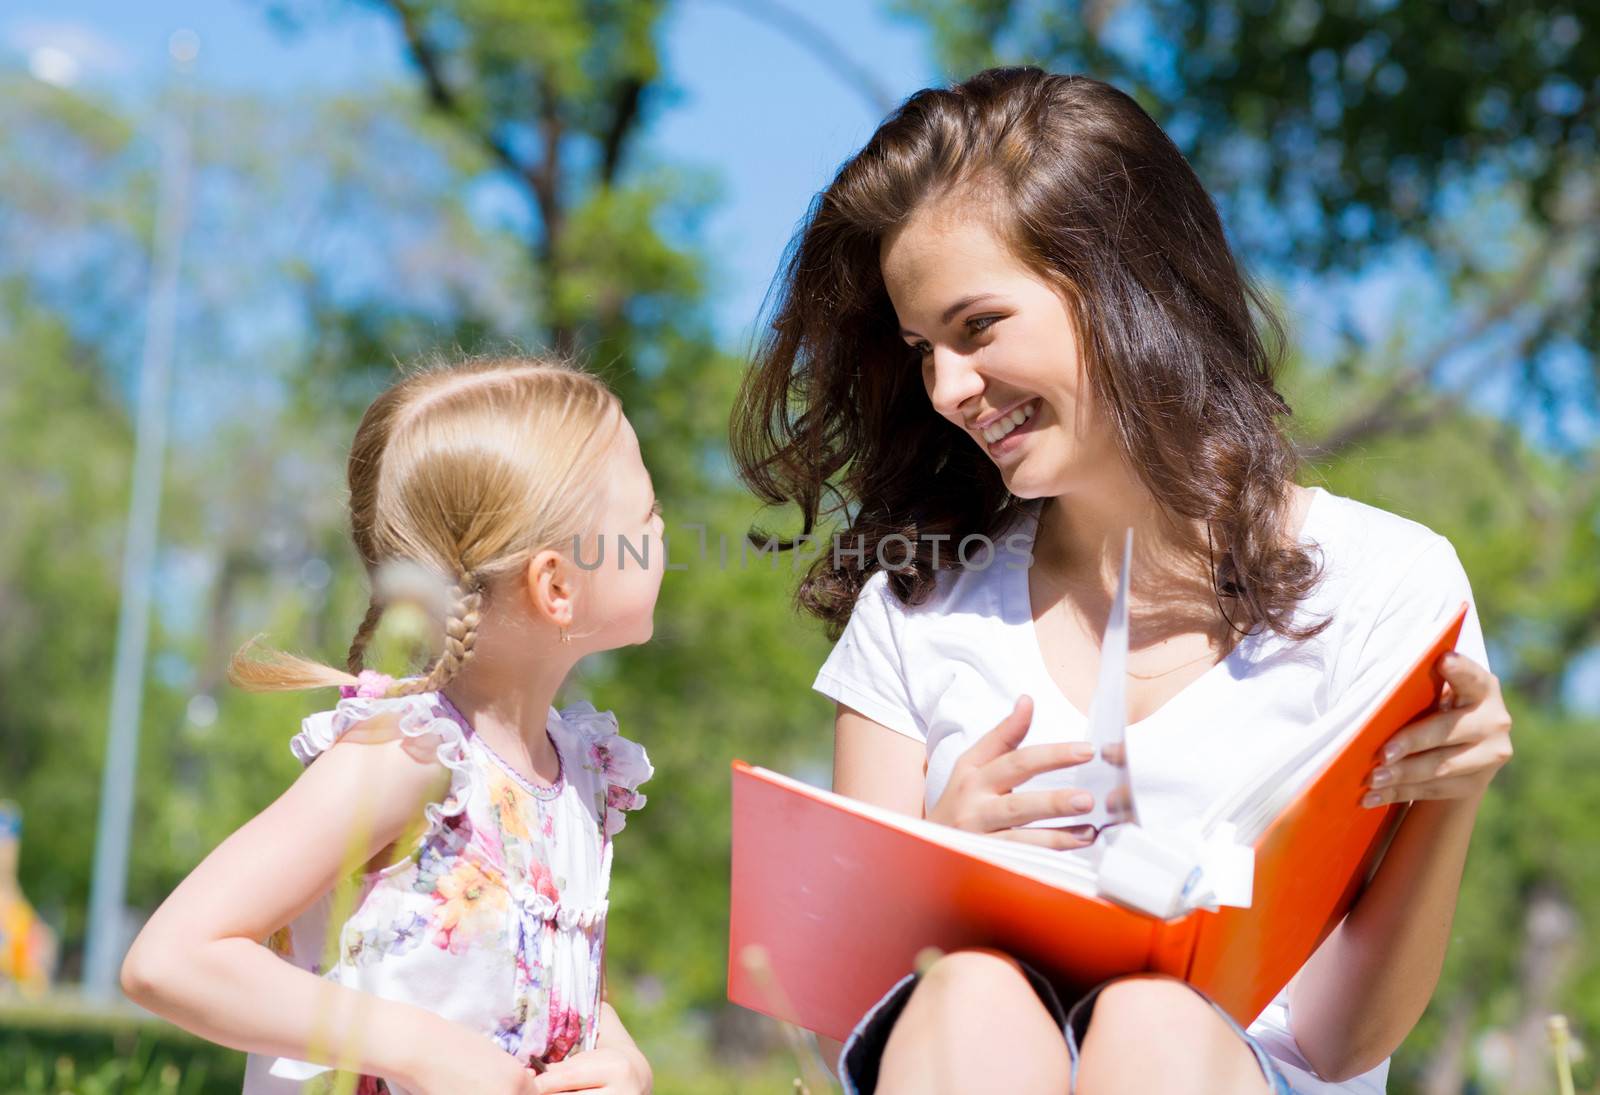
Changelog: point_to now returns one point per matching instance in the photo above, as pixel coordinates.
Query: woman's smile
(1007, 433)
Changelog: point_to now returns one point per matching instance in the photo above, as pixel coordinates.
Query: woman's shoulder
(1374, 560)
(1357, 536)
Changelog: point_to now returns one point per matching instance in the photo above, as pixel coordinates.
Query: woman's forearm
(1370, 981)
(238, 993)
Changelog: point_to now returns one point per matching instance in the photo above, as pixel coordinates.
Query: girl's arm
(199, 962)
(1368, 984)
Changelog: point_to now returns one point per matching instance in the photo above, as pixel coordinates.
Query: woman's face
(1000, 352)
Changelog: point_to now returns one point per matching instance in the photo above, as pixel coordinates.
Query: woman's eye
(979, 324)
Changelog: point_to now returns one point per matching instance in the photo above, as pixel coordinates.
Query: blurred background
(223, 224)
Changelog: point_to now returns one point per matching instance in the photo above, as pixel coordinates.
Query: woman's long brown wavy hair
(1180, 348)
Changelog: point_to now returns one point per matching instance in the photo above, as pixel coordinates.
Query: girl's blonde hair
(465, 471)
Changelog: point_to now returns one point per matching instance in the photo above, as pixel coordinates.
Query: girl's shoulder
(605, 765)
(418, 724)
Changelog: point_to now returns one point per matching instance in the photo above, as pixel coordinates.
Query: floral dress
(496, 920)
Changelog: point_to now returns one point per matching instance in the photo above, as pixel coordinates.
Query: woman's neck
(1081, 534)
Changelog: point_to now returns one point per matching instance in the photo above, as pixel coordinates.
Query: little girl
(466, 955)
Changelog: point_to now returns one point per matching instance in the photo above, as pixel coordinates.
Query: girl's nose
(952, 380)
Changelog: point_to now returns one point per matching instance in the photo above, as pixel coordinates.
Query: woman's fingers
(1023, 807)
(1005, 737)
(1064, 838)
(1020, 765)
(1457, 787)
(1469, 682)
(1434, 732)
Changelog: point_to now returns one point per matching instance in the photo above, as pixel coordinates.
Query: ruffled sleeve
(420, 716)
(618, 764)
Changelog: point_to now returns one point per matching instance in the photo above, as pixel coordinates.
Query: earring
(566, 639)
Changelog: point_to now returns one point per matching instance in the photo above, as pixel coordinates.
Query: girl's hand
(979, 797)
(465, 1061)
(609, 1070)
(1452, 754)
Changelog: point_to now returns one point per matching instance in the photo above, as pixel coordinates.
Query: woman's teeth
(1010, 422)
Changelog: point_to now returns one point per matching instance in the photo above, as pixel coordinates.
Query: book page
(1106, 776)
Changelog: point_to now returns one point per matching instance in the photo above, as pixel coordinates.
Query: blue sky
(763, 114)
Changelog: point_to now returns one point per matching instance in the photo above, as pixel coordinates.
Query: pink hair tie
(370, 685)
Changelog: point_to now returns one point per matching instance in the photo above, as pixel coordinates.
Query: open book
(833, 899)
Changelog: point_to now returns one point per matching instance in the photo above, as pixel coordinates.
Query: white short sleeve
(1428, 592)
(866, 670)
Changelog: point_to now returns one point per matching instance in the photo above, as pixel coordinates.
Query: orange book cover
(830, 907)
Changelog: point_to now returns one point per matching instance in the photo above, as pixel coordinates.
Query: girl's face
(620, 595)
(1000, 352)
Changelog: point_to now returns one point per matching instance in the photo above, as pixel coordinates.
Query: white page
(1106, 776)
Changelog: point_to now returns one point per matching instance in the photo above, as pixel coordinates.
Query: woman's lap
(863, 1050)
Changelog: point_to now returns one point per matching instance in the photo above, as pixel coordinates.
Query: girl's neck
(509, 707)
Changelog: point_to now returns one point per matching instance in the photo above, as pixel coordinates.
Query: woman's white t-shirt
(946, 671)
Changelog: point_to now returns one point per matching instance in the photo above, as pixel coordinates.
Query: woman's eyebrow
(950, 312)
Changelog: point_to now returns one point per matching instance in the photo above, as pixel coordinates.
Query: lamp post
(108, 888)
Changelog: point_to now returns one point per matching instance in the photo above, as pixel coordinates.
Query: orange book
(833, 899)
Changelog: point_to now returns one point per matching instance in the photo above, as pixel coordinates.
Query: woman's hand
(607, 1070)
(980, 798)
(1454, 753)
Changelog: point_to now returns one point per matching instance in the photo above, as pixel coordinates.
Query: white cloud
(60, 52)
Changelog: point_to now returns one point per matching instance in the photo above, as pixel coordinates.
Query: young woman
(1013, 319)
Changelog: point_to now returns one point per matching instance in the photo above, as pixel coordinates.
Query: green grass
(60, 1045)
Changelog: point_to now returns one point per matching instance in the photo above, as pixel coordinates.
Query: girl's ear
(548, 581)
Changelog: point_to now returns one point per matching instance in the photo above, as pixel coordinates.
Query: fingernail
(1382, 777)
(1083, 800)
(1082, 832)
(1372, 800)
(1391, 752)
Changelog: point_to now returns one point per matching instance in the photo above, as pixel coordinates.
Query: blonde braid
(356, 660)
(460, 634)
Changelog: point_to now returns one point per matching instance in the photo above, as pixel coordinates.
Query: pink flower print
(542, 881)
(601, 758)
(619, 797)
(566, 1030)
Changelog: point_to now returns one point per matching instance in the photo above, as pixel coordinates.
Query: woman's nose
(952, 380)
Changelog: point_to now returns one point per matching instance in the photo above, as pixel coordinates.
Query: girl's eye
(979, 324)
(655, 508)
(921, 349)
